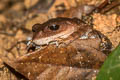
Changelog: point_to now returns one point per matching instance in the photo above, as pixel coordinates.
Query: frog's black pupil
(54, 27)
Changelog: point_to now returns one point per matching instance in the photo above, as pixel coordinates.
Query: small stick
(111, 6)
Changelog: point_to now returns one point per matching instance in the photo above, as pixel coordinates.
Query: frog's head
(53, 30)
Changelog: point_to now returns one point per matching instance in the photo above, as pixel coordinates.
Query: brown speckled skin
(64, 23)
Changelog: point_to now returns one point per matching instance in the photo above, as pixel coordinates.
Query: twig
(111, 6)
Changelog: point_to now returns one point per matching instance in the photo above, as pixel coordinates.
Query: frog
(68, 31)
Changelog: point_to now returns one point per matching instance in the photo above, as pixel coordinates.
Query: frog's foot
(32, 46)
(54, 43)
(57, 43)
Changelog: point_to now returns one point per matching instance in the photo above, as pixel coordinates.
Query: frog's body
(67, 31)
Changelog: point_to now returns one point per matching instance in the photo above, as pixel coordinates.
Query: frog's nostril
(33, 30)
(35, 27)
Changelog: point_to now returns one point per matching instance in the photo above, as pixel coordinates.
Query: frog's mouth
(31, 46)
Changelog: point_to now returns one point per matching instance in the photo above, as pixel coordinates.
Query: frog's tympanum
(60, 49)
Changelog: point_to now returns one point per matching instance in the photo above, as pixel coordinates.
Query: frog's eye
(54, 27)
